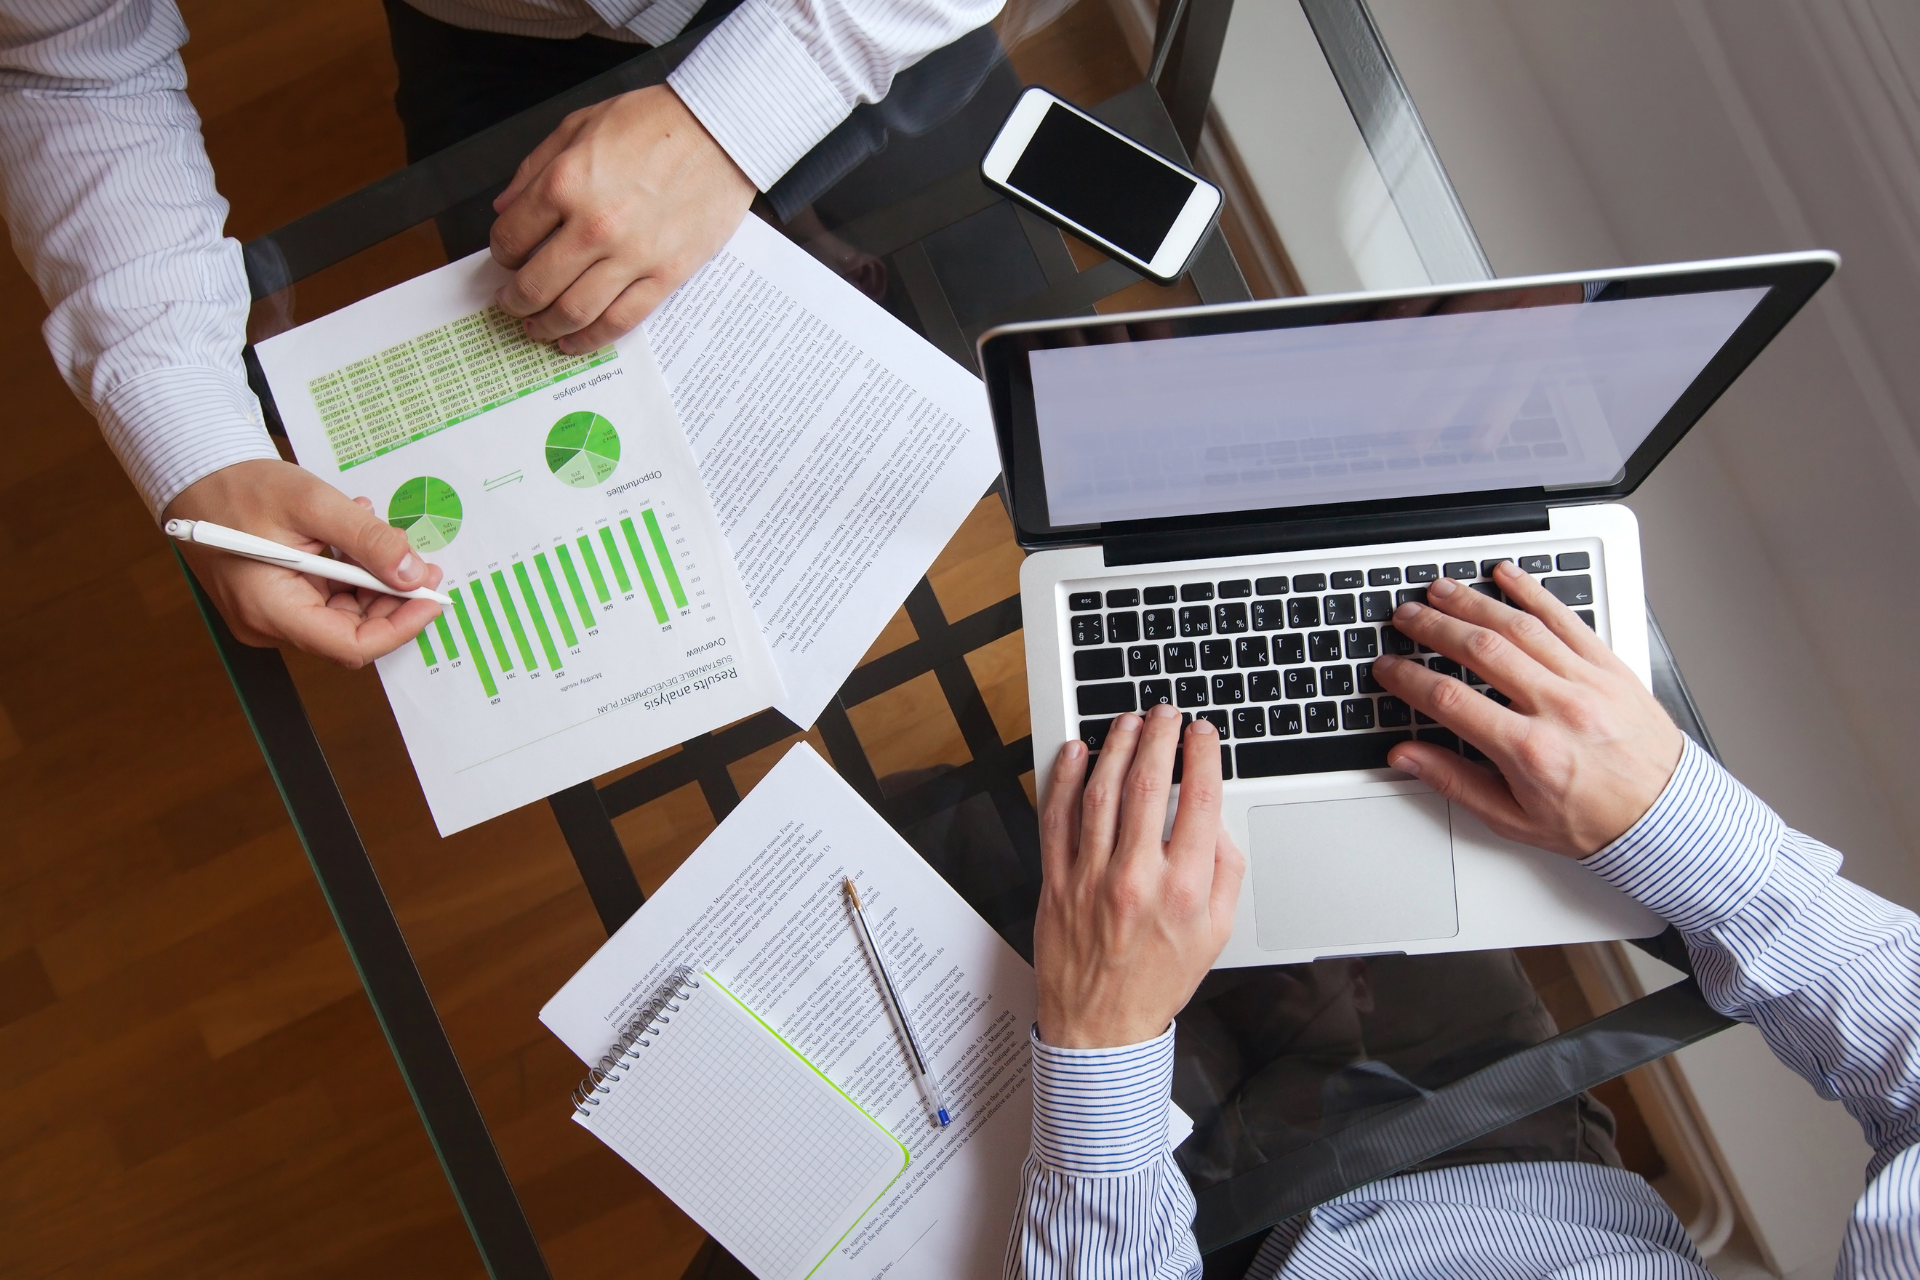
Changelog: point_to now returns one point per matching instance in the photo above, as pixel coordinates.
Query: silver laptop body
(1224, 504)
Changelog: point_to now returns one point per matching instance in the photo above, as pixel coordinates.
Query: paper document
(840, 448)
(760, 906)
(597, 616)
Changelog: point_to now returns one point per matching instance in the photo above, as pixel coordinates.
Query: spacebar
(1311, 755)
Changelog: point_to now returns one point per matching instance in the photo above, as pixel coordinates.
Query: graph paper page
(754, 1144)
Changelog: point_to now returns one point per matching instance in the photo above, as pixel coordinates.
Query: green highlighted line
(446, 636)
(646, 575)
(613, 557)
(666, 558)
(513, 619)
(539, 618)
(493, 628)
(553, 597)
(473, 642)
(573, 586)
(593, 569)
(426, 649)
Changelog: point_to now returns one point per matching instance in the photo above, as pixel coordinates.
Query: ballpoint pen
(922, 1070)
(208, 534)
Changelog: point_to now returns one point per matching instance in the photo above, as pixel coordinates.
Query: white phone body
(1182, 237)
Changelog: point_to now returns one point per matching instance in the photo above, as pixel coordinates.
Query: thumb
(365, 538)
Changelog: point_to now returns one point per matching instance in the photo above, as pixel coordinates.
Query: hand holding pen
(890, 996)
(271, 604)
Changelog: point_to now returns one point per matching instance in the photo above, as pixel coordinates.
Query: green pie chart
(429, 510)
(583, 449)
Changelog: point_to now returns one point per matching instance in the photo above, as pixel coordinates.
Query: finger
(538, 159)
(1503, 663)
(1060, 816)
(1196, 823)
(1526, 591)
(624, 314)
(1522, 629)
(1483, 793)
(581, 303)
(550, 271)
(1475, 717)
(1100, 802)
(374, 544)
(1143, 811)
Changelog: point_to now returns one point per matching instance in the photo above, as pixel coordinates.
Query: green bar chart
(540, 615)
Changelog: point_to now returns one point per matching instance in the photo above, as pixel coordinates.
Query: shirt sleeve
(111, 204)
(1100, 1194)
(1828, 972)
(777, 76)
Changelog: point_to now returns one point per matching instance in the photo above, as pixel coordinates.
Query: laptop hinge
(1310, 535)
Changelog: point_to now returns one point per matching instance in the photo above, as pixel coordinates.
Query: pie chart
(583, 449)
(429, 510)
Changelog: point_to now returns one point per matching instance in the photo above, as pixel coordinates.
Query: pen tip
(944, 1121)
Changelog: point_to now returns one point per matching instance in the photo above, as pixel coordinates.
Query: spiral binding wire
(653, 1015)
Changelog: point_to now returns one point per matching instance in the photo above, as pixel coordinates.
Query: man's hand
(609, 215)
(266, 605)
(1129, 923)
(1583, 751)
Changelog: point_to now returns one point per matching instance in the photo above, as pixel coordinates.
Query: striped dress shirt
(1829, 973)
(111, 202)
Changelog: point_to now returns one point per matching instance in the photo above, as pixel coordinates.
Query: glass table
(1305, 1081)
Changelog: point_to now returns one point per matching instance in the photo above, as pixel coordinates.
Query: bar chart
(528, 616)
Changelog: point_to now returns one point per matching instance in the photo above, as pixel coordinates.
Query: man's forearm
(1100, 1193)
(1828, 972)
(112, 207)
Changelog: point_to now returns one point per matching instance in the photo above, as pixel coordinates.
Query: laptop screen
(1553, 391)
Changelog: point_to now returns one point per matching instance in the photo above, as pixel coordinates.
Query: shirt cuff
(170, 427)
(1101, 1113)
(1700, 853)
(759, 92)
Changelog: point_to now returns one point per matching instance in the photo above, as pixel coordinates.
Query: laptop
(1224, 505)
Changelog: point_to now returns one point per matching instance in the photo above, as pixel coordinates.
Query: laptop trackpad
(1335, 873)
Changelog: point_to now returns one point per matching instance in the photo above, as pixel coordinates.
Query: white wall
(1783, 536)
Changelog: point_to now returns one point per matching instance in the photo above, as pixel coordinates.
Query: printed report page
(597, 616)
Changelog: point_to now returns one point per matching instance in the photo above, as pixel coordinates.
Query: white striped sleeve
(111, 203)
(778, 75)
(1100, 1195)
(1828, 972)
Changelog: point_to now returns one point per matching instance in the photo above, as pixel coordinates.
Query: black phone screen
(1113, 190)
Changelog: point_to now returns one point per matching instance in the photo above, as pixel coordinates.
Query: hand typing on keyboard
(1129, 923)
(1582, 751)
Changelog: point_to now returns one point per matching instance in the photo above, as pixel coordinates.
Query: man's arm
(1590, 766)
(629, 197)
(1128, 925)
(112, 207)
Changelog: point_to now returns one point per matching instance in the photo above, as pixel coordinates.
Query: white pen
(208, 534)
(931, 1085)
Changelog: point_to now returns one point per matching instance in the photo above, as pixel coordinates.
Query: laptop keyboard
(1282, 663)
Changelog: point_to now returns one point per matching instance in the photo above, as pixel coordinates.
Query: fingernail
(409, 568)
(1442, 587)
(1073, 750)
(1406, 763)
(1128, 721)
(1203, 725)
(1409, 609)
(1386, 662)
(1162, 711)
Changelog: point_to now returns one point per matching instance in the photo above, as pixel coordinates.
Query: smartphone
(1101, 185)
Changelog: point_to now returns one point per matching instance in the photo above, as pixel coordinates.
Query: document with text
(597, 616)
(840, 448)
(760, 906)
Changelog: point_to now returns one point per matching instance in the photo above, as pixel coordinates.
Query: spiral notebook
(745, 1135)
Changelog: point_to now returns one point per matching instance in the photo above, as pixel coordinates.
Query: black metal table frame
(1170, 119)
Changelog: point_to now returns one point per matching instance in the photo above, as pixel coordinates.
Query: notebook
(738, 1129)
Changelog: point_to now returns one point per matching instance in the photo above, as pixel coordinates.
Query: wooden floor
(191, 1082)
